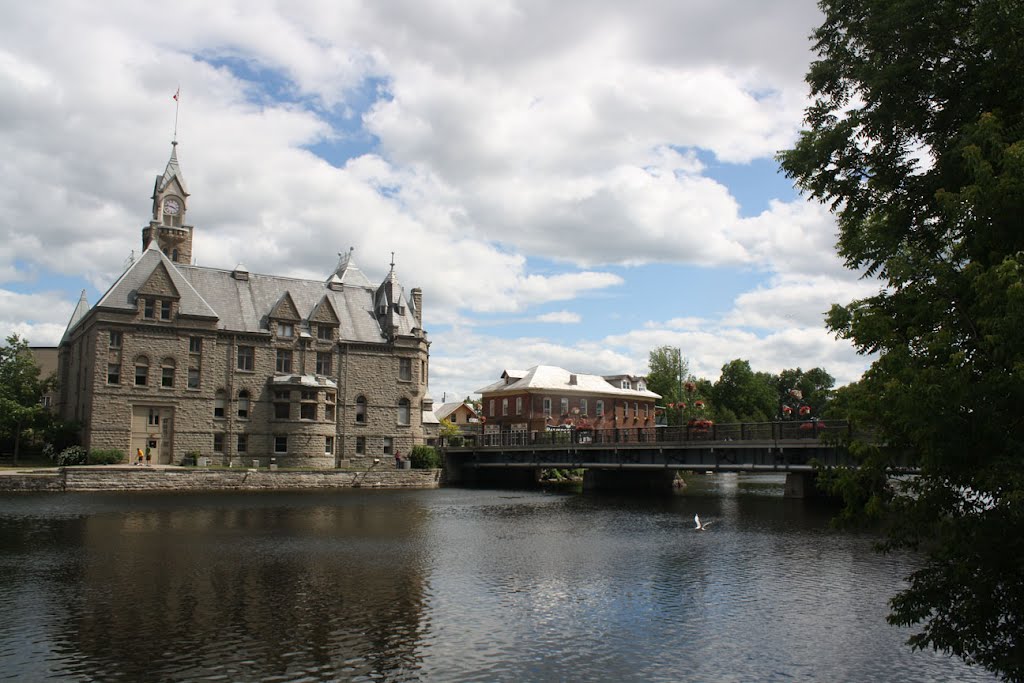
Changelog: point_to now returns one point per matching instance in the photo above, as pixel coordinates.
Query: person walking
(138, 457)
(147, 457)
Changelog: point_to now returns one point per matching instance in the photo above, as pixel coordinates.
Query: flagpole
(177, 103)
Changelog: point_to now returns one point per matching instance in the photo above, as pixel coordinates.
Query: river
(448, 585)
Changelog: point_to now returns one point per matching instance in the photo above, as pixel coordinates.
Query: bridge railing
(811, 430)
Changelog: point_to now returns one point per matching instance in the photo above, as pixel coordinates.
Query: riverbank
(172, 478)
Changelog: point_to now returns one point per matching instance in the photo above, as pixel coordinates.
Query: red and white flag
(176, 93)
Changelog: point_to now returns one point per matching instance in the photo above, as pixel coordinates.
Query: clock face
(171, 206)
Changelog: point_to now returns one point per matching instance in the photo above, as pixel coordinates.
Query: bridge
(650, 457)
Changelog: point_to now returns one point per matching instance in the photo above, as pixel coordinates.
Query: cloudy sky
(571, 183)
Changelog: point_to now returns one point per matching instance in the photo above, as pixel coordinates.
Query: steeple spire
(168, 230)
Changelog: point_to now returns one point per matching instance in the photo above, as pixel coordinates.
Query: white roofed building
(548, 396)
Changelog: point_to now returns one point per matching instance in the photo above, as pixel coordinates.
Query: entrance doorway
(153, 428)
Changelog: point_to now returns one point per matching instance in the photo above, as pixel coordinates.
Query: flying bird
(700, 527)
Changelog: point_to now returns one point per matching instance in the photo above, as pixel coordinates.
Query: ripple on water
(449, 585)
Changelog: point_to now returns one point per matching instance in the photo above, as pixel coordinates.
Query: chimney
(572, 380)
(417, 302)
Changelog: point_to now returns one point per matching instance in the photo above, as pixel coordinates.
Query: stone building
(547, 396)
(239, 366)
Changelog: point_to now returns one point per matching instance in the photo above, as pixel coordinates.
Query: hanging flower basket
(805, 410)
(699, 405)
(786, 410)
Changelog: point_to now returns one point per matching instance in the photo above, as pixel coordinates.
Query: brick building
(239, 366)
(548, 396)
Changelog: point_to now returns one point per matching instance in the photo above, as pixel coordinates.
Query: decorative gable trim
(285, 309)
(159, 283)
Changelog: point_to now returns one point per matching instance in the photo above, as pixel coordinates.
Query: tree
(749, 396)
(21, 392)
(666, 371)
(449, 429)
(814, 388)
(915, 138)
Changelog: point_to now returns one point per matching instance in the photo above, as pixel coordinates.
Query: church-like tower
(173, 237)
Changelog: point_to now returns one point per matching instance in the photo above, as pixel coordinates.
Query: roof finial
(392, 262)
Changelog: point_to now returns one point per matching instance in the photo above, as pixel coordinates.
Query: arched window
(403, 411)
(167, 373)
(141, 371)
(220, 401)
(360, 409)
(243, 404)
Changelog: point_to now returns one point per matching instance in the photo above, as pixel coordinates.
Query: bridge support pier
(802, 485)
(629, 480)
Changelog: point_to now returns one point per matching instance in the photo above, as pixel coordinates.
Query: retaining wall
(193, 479)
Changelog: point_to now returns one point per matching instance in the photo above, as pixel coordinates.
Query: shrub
(72, 455)
(105, 456)
(424, 458)
(191, 459)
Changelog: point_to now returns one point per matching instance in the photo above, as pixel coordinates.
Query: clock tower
(167, 228)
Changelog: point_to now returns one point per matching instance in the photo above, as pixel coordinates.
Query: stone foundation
(130, 478)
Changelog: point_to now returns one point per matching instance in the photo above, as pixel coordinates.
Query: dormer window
(285, 330)
(382, 309)
(640, 386)
(625, 384)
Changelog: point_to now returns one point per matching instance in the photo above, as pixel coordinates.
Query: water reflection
(446, 585)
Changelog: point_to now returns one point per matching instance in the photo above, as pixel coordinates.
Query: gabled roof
(122, 294)
(555, 379)
(447, 409)
(243, 304)
(285, 309)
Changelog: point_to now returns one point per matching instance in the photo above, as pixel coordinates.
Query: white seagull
(700, 527)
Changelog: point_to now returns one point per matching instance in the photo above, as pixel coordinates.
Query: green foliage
(191, 459)
(448, 429)
(740, 394)
(72, 455)
(666, 369)
(896, 82)
(424, 458)
(108, 456)
(21, 393)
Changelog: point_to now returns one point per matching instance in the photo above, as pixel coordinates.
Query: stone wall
(198, 479)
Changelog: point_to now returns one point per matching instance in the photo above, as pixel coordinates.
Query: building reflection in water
(203, 588)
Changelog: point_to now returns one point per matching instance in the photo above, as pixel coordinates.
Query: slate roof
(242, 305)
(555, 379)
(171, 172)
(122, 294)
(348, 273)
(81, 309)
